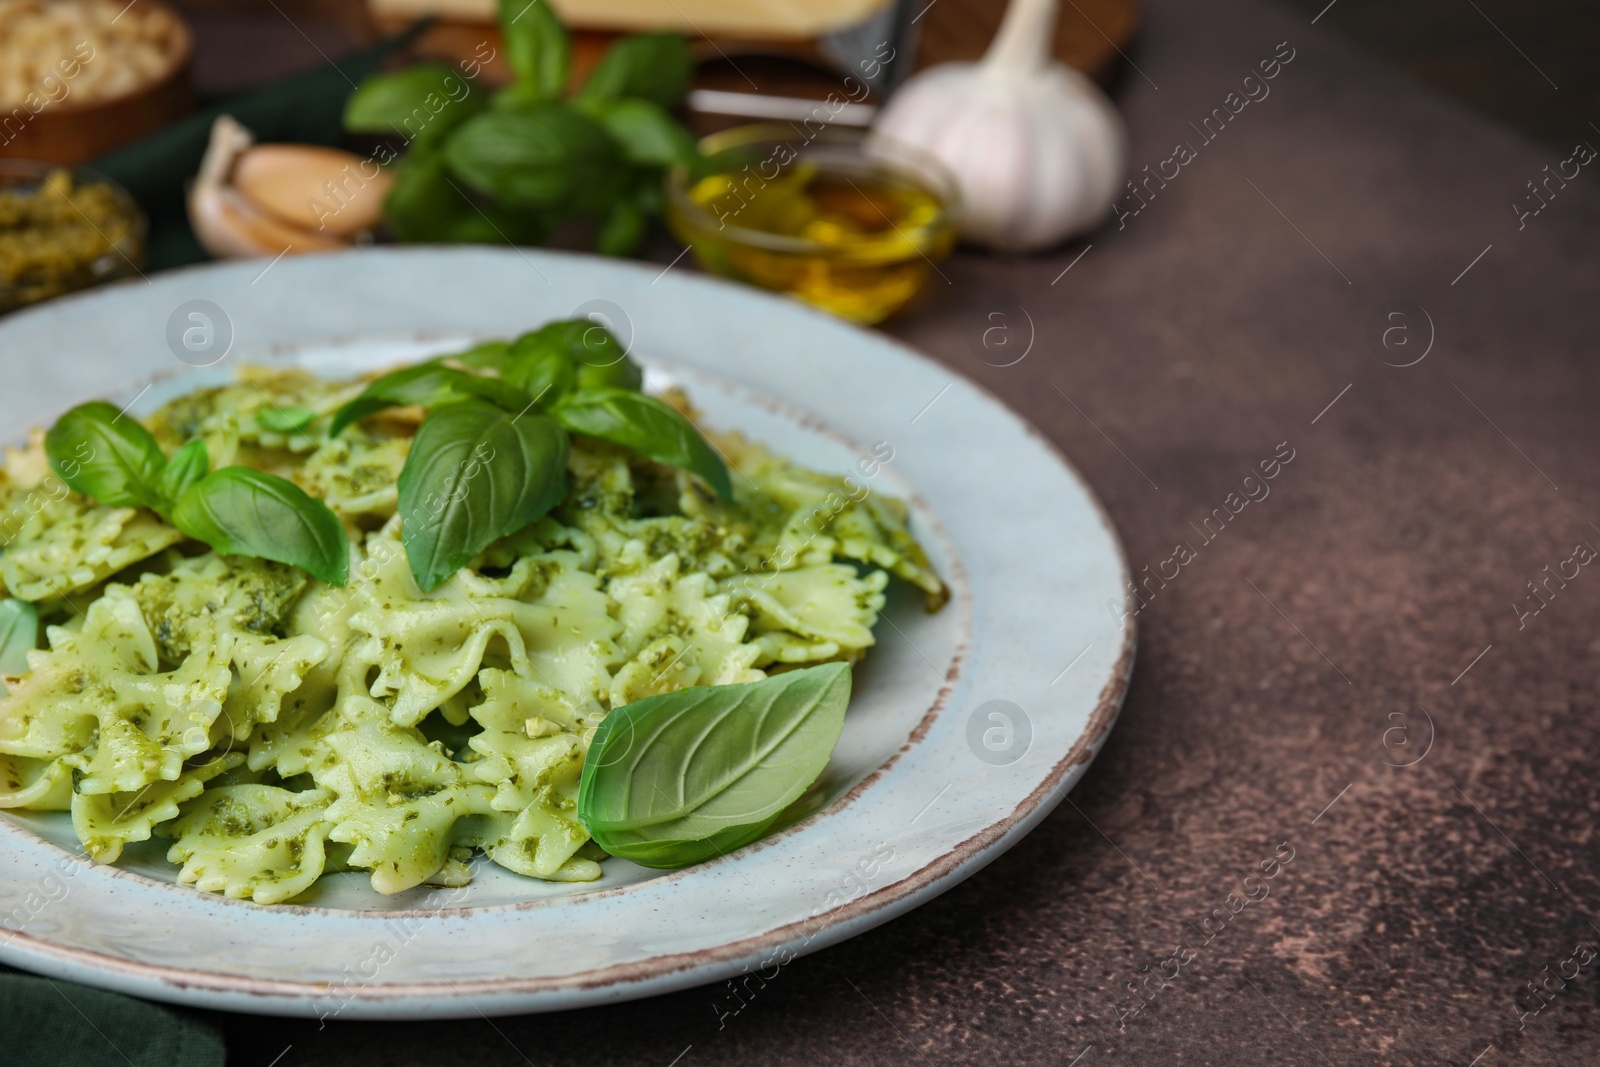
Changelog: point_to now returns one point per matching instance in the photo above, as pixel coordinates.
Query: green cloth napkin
(45, 1023)
(303, 109)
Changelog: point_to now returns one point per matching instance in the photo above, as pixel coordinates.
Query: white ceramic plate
(967, 727)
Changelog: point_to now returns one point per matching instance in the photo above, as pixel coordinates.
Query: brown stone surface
(1219, 322)
(1089, 34)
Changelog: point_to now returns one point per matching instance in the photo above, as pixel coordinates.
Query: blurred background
(217, 124)
(1482, 52)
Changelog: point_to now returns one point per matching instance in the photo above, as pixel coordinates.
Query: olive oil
(841, 231)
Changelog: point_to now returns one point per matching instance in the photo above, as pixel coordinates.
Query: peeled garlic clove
(322, 189)
(228, 224)
(1036, 148)
(230, 227)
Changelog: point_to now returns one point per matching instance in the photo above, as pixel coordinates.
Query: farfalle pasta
(272, 728)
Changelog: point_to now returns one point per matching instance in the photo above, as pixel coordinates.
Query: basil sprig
(102, 453)
(490, 456)
(537, 157)
(514, 166)
(684, 777)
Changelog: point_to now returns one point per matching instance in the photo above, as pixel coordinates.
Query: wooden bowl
(71, 132)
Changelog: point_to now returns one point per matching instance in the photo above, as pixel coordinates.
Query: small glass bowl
(95, 234)
(899, 210)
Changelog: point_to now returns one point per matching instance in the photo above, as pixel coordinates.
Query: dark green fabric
(305, 109)
(46, 1023)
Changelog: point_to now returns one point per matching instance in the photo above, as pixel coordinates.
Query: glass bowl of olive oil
(852, 226)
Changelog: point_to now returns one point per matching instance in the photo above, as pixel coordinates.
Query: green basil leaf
(421, 103)
(541, 156)
(428, 384)
(19, 632)
(284, 420)
(499, 224)
(104, 454)
(537, 48)
(683, 777)
(426, 205)
(187, 466)
(621, 231)
(594, 350)
(423, 205)
(621, 374)
(475, 473)
(646, 425)
(648, 136)
(243, 512)
(645, 190)
(651, 66)
(540, 368)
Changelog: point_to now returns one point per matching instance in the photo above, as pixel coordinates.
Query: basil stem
(683, 777)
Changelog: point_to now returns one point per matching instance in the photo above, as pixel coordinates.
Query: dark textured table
(1348, 683)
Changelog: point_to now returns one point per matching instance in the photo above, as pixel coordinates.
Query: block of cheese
(782, 19)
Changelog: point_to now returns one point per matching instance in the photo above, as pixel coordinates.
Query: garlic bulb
(265, 200)
(1037, 149)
